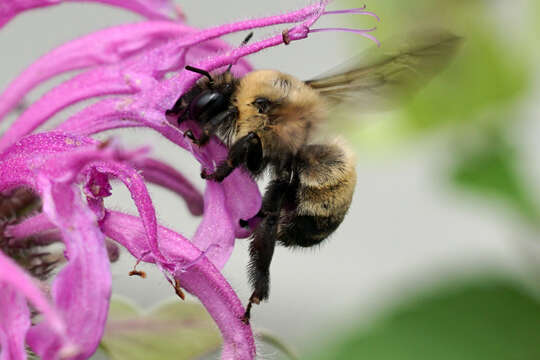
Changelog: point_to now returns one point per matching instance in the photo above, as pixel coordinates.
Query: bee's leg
(239, 154)
(261, 251)
(176, 109)
(262, 246)
(181, 106)
(211, 126)
(179, 111)
(189, 134)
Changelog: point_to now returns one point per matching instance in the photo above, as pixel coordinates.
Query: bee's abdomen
(306, 231)
(326, 181)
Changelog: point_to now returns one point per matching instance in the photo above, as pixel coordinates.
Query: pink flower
(70, 172)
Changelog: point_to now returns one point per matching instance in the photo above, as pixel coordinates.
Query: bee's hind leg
(261, 251)
(264, 240)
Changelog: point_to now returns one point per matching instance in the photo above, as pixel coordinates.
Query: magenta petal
(215, 234)
(243, 198)
(13, 276)
(19, 167)
(20, 164)
(28, 227)
(104, 115)
(101, 81)
(97, 187)
(14, 323)
(153, 9)
(202, 279)
(130, 76)
(45, 144)
(103, 47)
(82, 289)
(51, 163)
(162, 174)
(139, 193)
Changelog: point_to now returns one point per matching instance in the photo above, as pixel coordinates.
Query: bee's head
(273, 95)
(270, 101)
(213, 98)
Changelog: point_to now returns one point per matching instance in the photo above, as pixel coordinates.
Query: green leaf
(173, 330)
(484, 319)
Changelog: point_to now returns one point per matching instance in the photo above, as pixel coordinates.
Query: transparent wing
(382, 78)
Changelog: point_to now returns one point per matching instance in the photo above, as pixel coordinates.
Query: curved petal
(107, 46)
(243, 198)
(153, 9)
(28, 227)
(127, 77)
(162, 174)
(215, 234)
(82, 289)
(31, 157)
(197, 275)
(96, 187)
(14, 323)
(107, 114)
(14, 277)
(221, 30)
(101, 81)
(19, 165)
(139, 193)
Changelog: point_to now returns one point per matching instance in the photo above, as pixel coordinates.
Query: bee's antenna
(200, 71)
(244, 42)
(246, 39)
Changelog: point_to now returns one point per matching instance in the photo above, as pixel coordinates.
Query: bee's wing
(383, 77)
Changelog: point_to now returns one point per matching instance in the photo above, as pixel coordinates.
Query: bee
(268, 118)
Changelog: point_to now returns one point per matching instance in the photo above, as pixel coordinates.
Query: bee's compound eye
(262, 104)
(208, 104)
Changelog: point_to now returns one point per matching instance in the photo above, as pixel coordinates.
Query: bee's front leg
(211, 126)
(239, 154)
(176, 109)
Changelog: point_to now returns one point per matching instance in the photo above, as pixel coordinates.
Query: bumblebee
(267, 119)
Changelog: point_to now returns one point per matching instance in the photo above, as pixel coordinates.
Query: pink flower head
(70, 173)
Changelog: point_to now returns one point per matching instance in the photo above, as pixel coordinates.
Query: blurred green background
(478, 102)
